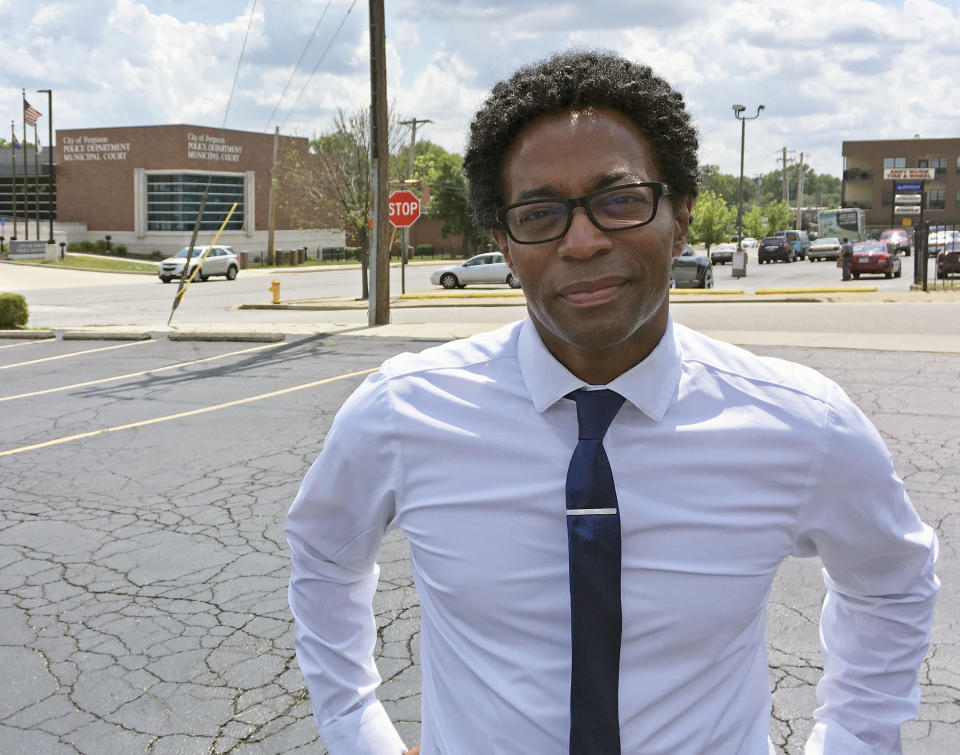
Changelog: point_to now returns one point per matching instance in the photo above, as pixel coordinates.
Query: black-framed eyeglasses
(615, 208)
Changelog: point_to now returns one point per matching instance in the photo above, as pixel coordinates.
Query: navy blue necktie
(593, 537)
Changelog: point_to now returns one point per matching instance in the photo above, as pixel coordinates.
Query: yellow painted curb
(465, 295)
(823, 290)
(706, 291)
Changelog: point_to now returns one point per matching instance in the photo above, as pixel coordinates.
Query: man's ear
(681, 219)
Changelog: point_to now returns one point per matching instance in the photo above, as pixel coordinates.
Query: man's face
(591, 290)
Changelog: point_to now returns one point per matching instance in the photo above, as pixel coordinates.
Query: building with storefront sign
(907, 161)
(142, 186)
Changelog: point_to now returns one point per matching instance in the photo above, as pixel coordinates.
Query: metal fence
(939, 242)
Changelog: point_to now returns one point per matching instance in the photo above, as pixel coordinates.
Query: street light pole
(738, 114)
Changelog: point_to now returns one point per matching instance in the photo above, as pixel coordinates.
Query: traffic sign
(904, 186)
(404, 208)
(906, 209)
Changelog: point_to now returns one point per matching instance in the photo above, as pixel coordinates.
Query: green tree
(343, 173)
(712, 219)
(753, 222)
(442, 172)
(726, 185)
(779, 217)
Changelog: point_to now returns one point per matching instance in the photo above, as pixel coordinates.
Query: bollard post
(275, 288)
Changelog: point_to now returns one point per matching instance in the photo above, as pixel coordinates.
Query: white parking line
(180, 415)
(74, 354)
(137, 374)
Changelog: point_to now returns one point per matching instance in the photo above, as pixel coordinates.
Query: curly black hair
(579, 79)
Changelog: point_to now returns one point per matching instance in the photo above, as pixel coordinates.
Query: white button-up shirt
(725, 464)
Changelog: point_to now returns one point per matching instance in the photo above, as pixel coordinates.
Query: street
(145, 483)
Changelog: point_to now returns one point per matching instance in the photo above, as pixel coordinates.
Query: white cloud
(826, 70)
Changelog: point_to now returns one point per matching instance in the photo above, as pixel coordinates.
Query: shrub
(13, 310)
(424, 249)
(120, 250)
(100, 246)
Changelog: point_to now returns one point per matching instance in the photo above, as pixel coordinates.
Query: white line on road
(138, 374)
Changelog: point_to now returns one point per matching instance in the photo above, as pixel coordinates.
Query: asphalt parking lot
(144, 568)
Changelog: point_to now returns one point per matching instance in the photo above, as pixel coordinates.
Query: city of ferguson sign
(908, 174)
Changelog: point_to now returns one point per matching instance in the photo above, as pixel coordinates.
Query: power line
(297, 65)
(329, 45)
(236, 73)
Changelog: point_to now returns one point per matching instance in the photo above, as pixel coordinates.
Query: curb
(108, 335)
(27, 334)
(821, 290)
(246, 336)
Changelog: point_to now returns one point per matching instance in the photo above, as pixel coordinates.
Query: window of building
(956, 199)
(173, 201)
(894, 162)
(923, 163)
(958, 163)
(939, 166)
(886, 197)
(936, 198)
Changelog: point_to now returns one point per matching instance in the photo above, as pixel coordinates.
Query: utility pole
(273, 181)
(16, 191)
(412, 123)
(800, 194)
(379, 310)
(786, 186)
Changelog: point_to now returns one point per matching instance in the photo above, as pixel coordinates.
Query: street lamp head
(763, 107)
(738, 109)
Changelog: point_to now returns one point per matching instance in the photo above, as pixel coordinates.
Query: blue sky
(825, 70)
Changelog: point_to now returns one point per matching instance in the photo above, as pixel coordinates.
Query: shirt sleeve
(334, 528)
(878, 560)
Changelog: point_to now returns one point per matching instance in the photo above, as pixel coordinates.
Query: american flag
(30, 114)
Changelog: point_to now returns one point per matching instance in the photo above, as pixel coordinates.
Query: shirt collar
(650, 385)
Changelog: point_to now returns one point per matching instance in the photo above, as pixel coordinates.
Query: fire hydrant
(275, 288)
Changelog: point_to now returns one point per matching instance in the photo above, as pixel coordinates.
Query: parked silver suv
(221, 260)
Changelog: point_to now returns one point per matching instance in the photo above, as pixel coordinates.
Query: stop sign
(404, 208)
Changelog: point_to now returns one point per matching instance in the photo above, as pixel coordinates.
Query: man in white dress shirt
(584, 166)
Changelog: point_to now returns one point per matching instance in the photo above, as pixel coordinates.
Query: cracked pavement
(143, 573)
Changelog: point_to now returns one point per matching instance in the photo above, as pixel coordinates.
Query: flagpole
(16, 191)
(26, 196)
(49, 160)
(36, 178)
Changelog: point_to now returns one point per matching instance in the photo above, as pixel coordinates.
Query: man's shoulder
(460, 354)
(735, 364)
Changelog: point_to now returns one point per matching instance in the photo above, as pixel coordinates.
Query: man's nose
(583, 238)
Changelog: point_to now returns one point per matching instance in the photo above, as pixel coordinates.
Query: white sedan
(490, 267)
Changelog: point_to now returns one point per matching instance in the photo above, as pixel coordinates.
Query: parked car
(691, 269)
(899, 238)
(221, 260)
(825, 249)
(937, 240)
(799, 240)
(489, 267)
(775, 248)
(874, 257)
(749, 242)
(721, 254)
(948, 259)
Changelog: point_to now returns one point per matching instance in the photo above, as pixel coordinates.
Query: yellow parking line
(74, 354)
(138, 374)
(180, 415)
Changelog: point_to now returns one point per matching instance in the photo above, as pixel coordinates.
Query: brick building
(142, 186)
(865, 187)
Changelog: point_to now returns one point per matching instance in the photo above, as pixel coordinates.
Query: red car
(948, 259)
(898, 237)
(874, 257)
